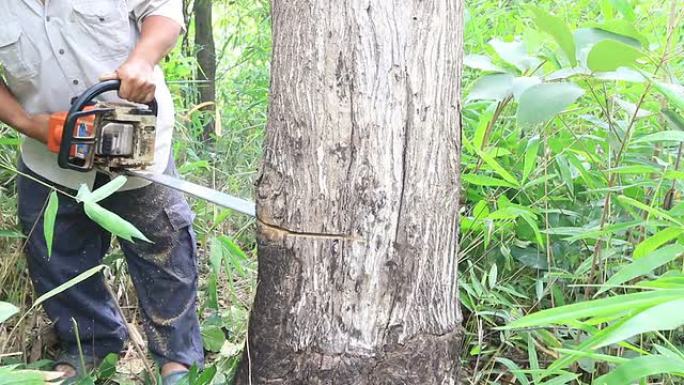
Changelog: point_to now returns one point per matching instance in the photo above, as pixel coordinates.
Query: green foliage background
(571, 192)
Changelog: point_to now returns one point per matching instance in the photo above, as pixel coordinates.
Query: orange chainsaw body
(56, 125)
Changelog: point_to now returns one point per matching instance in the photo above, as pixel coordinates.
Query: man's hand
(158, 36)
(137, 80)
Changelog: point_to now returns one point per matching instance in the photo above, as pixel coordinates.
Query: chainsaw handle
(75, 113)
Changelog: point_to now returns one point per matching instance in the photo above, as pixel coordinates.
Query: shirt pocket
(104, 28)
(18, 56)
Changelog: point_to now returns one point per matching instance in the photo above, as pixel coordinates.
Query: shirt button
(75, 82)
(47, 18)
(61, 52)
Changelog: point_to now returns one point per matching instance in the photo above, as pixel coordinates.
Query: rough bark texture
(206, 57)
(358, 197)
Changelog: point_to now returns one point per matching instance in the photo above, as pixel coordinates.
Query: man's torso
(53, 52)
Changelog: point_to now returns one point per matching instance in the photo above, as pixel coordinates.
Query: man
(51, 51)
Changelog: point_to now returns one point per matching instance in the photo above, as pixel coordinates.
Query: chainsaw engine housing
(125, 136)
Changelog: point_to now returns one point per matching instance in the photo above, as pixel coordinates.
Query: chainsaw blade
(205, 193)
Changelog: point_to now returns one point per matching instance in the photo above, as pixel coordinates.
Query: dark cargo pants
(164, 273)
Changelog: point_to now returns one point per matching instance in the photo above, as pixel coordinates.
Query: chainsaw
(119, 138)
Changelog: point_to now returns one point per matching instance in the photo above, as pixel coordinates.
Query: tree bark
(206, 58)
(358, 196)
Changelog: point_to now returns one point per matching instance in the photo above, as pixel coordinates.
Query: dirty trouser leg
(164, 272)
(79, 244)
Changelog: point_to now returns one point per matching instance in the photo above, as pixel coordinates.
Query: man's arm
(158, 36)
(14, 115)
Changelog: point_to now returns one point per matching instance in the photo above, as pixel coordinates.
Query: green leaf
(492, 163)
(67, 285)
(662, 136)
(515, 53)
(110, 188)
(565, 173)
(482, 63)
(530, 156)
(236, 256)
(596, 308)
(624, 8)
(11, 234)
(483, 122)
(649, 320)
(651, 210)
(488, 181)
(544, 101)
(213, 338)
(493, 275)
(522, 83)
(639, 368)
(49, 219)
(675, 120)
(674, 94)
(107, 368)
(622, 74)
(625, 28)
(586, 38)
(656, 240)
(492, 87)
(9, 376)
(514, 369)
(609, 55)
(644, 265)
(112, 222)
(7, 310)
(555, 27)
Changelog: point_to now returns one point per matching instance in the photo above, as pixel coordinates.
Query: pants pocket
(183, 255)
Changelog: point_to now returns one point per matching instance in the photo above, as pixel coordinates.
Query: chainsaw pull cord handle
(76, 112)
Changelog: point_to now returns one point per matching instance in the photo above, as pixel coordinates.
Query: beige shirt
(53, 50)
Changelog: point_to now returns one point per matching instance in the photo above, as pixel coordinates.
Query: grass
(567, 240)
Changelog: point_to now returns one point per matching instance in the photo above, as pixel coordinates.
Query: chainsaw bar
(217, 197)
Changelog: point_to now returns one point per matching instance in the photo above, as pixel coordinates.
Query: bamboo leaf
(49, 219)
(67, 285)
(112, 222)
(565, 173)
(656, 240)
(651, 210)
(7, 310)
(674, 94)
(644, 265)
(595, 308)
(530, 156)
(662, 136)
(493, 275)
(10, 376)
(649, 320)
(639, 368)
(482, 180)
(108, 189)
(514, 369)
(676, 121)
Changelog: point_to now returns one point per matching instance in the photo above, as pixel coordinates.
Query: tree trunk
(206, 58)
(358, 196)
